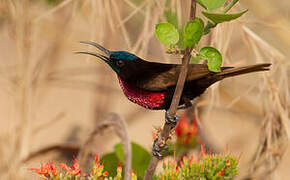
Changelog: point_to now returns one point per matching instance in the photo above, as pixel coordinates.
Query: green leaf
(110, 161)
(193, 32)
(140, 158)
(213, 57)
(200, 2)
(219, 18)
(166, 33)
(119, 152)
(194, 60)
(208, 27)
(211, 4)
(180, 43)
(171, 17)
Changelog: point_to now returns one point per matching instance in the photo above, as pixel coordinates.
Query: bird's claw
(160, 145)
(171, 120)
(157, 149)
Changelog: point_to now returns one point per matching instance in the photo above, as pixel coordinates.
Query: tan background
(49, 95)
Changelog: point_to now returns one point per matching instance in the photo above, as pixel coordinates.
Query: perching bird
(152, 85)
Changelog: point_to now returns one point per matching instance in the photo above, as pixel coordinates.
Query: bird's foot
(171, 120)
(158, 147)
(186, 105)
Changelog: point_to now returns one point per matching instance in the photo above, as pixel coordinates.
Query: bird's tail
(234, 71)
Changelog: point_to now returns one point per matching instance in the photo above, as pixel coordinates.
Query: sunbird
(152, 85)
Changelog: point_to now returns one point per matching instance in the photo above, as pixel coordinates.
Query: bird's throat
(144, 98)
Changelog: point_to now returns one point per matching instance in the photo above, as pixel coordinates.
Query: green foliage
(220, 17)
(167, 33)
(193, 32)
(110, 161)
(171, 17)
(178, 38)
(209, 167)
(194, 59)
(140, 159)
(180, 43)
(213, 57)
(211, 4)
(208, 27)
(51, 171)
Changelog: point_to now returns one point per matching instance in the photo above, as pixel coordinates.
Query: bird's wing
(163, 80)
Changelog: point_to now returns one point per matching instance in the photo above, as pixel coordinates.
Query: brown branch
(119, 125)
(174, 103)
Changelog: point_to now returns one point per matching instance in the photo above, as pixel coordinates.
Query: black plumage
(146, 78)
(160, 77)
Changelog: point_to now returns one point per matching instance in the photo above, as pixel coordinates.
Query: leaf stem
(211, 25)
(229, 6)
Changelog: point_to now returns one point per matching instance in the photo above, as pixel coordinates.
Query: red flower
(119, 166)
(186, 132)
(96, 163)
(75, 168)
(119, 169)
(228, 163)
(43, 170)
(104, 174)
(220, 173)
(96, 159)
(182, 126)
(98, 169)
(53, 169)
(64, 166)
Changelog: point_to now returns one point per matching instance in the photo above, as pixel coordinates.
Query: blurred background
(51, 99)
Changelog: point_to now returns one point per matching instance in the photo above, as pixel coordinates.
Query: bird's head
(119, 61)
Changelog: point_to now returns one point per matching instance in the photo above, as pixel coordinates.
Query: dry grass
(46, 90)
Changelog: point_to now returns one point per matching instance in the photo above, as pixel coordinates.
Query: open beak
(106, 51)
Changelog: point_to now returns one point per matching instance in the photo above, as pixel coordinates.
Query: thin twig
(120, 128)
(51, 11)
(230, 5)
(274, 133)
(122, 26)
(134, 6)
(132, 14)
(174, 103)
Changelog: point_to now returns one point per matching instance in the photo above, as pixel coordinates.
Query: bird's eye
(120, 63)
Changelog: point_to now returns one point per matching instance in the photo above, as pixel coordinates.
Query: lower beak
(104, 58)
(106, 51)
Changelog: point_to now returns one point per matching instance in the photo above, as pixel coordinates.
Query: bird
(152, 84)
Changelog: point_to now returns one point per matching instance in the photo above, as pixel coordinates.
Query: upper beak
(106, 51)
